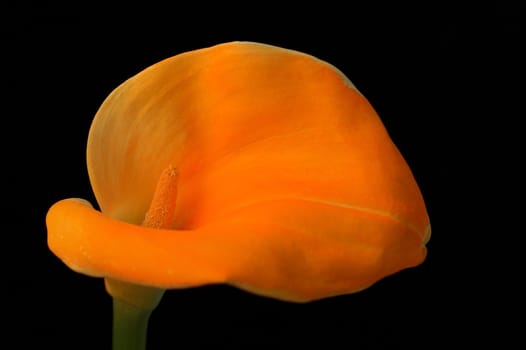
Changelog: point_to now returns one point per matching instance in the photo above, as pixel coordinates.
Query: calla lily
(246, 164)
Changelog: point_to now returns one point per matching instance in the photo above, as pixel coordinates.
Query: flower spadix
(288, 184)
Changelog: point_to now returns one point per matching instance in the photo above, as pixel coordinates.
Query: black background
(445, 80)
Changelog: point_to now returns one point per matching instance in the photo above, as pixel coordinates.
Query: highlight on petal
(288, 184)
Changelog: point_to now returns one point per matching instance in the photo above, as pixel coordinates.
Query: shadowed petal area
(288, 184)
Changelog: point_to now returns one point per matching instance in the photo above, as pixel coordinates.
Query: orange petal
(288, 183)
(300, 250)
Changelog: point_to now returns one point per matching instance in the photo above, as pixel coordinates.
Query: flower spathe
(288, 184)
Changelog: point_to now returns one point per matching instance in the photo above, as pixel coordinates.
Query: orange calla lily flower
(258, 166)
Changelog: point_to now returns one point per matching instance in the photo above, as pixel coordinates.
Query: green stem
(132, 307)
(129, 326)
